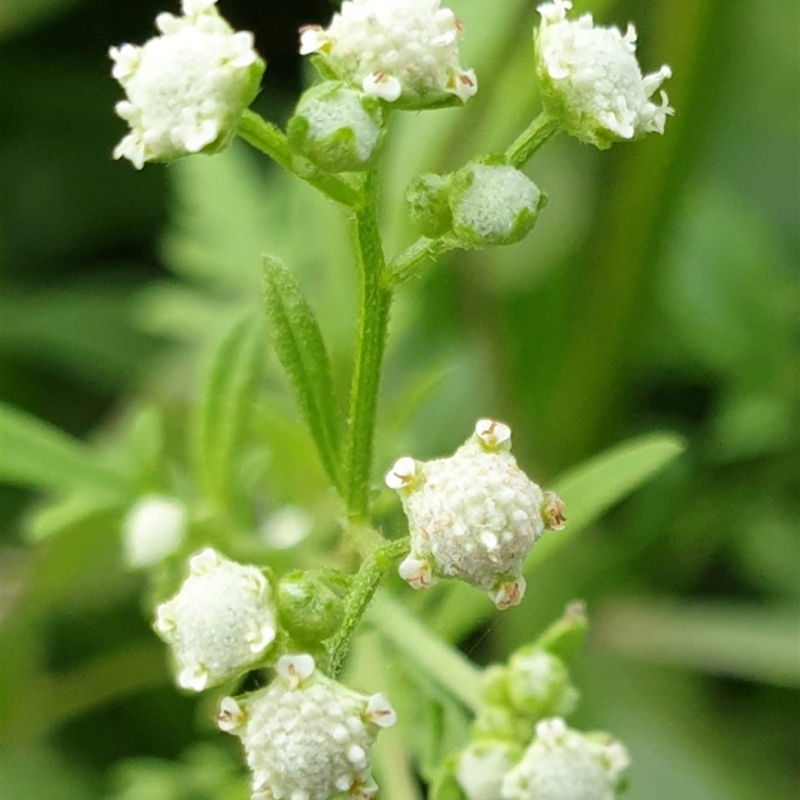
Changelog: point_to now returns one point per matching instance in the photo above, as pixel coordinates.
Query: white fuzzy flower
(153, 529)
(220, 623)
(591, 80)
(307, 737)
(186, 88)
(472, 516)
(562, 764)
(482, 766)
(403, 51)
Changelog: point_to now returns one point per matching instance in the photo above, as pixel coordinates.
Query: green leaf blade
(222, 417)
(301, 350)
(34, 453)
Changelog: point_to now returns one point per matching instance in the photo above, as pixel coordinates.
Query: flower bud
(186, 88)
(402, 51)
(493, 204)
(561, 763)
(539, 685)
(221, 622)
(306, 736)
(153, 529)
(311, 606)
(591, 81)
(473, 516)
(483, 765)
(428, 204)
(336, 128)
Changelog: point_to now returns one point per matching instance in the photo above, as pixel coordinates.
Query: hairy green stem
(415, 256)
(540, 131)
(362, 590)
(442, 662)
(266, 138)
(375, 304)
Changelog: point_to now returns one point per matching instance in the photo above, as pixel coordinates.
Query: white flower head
(563, 764)
(221, 622)
(154, 528)
(482, 766)
(472, 516)
(307, 737)
(187, 87)
(402, 51)
(592, 82)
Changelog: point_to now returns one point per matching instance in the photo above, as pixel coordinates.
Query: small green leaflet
(225, 408)
(301, 350)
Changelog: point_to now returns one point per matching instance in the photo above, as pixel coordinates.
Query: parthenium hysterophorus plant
(472, 516)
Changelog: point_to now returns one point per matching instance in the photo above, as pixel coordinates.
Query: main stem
(375, 304)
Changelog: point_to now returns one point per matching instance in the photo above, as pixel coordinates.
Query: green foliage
(299, 345)
(38, 454)
(225, 408)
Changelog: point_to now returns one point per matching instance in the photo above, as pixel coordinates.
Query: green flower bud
(427, 199)
(539, 685)
(311, 605)
(494, 685)
(493, 204)
(337, 128)
(566, 634)
(495, 722)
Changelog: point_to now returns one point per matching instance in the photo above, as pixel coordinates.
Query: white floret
(592, 81)
(472, 516)
(562, 764)
(153, 529)
(187, 87)
(307, 737)
(395, 49)
(221, 621)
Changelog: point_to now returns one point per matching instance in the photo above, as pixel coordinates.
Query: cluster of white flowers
(402, 51)
(186, 88)
(591, 80)
(220, 623)
(153, 529)
(563, 764)
(307, 737)
(472, 516)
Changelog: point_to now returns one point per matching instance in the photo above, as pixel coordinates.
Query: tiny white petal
(416, 573)
(402, 473)
(508, 594)
(295, 669)
(379, 84)
(380, 711)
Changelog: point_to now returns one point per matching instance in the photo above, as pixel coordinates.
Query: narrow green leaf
(301, 349)
(755, 644)
(588, 492)
(225, 407)
(67, 512)
(35, 453)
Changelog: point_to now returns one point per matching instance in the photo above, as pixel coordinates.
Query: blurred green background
(658, 292)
